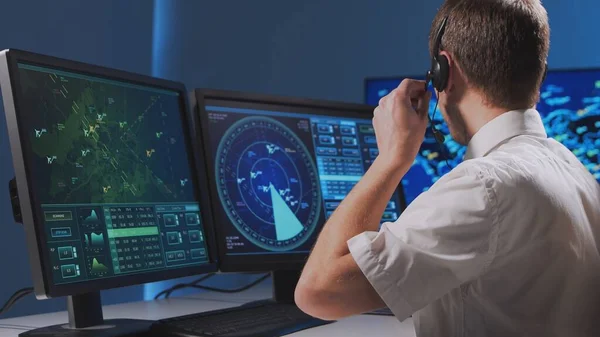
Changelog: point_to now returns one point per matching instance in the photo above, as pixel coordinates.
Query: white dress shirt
(506, 244)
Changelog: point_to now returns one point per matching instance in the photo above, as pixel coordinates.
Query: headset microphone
(437, 134)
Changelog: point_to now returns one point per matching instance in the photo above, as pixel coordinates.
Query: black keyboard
(260, 319)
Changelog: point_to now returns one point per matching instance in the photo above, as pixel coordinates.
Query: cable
(186, 285)
(195, 285)
(8, 327)
(17, 327)
(232, 291)
(167, 292)
(14, 298)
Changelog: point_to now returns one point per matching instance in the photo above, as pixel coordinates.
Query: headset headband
(438, 37)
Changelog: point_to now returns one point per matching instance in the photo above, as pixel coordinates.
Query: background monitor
(107, 178)
(432, 161)
(279, 168)
(569, 106)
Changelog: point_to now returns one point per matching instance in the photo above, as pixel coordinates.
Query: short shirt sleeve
(444, 238)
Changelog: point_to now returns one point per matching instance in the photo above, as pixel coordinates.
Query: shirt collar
(507, 125)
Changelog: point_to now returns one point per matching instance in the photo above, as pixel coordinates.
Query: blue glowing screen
(569, 106)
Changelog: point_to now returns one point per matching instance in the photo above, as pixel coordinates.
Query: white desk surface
(359, 326)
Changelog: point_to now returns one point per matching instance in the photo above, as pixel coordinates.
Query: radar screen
(279, 175)
(264, 165)
(569, 107)
(110, 169)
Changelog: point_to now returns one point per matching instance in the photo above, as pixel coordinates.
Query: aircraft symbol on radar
(39, 133)
(149, 153)
(122, 124)
(264, 188)
(85, 152)
(272, 148)
(254, 175)
(251, 154)
(101, 117)
(105, 189)
(91, 129)
(51, 159)
(159, 134)
(241, 180)
(183, 182)
(304, 205)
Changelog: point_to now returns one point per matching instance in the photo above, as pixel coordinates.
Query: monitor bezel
(265, 262)
(44, 285)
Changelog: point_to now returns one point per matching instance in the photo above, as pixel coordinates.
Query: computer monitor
(570, 108)
(432, 161)
(279, 167)
(107, 181)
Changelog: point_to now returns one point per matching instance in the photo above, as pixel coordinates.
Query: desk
(359, 326)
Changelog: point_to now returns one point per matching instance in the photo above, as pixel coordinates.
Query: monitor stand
(284, 285)
(86, 320)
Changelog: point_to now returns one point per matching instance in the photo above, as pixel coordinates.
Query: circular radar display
(268, 183)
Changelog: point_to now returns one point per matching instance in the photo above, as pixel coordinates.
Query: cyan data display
(280, 175)
(111, 174)
(569, 107)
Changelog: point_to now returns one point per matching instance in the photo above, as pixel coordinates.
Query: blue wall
(324, 49)
(311, 48)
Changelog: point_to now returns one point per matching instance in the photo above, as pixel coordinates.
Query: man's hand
(400, 121)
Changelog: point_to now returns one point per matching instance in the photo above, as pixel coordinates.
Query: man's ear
(451, 70)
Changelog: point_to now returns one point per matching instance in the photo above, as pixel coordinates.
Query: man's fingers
(423, 104)
(376, 111)
(411, 89)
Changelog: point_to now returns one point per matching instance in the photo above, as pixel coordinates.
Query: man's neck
(476, 113)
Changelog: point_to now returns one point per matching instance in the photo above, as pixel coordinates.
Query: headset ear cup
(442, 73)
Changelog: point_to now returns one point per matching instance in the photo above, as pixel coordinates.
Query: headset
(439, 72)
(438, 76)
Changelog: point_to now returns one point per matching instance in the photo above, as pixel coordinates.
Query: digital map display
(569, 107)
(280, 175)
(111, 172)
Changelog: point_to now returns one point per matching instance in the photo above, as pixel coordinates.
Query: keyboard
(256, 319)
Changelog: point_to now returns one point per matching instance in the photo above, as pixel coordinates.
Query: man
(506, 244)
